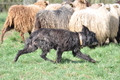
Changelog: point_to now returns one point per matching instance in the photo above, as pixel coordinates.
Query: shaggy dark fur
(60, 40)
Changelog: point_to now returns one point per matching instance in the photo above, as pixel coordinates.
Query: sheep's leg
(107, 41)
(4, 31)
(118, 34)
(118, 39)
(25, 51)
(78, 54)
(22, 36)
(59, 55)
(44, 54)
(113, 40)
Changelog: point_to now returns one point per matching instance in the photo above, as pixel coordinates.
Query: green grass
(2, 18)
(32, 67)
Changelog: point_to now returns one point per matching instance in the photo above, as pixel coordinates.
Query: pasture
(32, 67)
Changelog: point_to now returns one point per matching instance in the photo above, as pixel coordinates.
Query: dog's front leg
(59, 55)
(83, 56)
(27, 49)
(44, 54)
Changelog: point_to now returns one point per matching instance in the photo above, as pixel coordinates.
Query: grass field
(32, 67)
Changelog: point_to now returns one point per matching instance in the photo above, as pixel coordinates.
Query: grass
(32, 67)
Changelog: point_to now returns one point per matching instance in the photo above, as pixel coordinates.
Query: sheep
(118, 34)
(60, 40)
(81, 4)
(21, 18)
(97, 20)
(58, 19)
(114, 21)
(53, 6)
(56, 6)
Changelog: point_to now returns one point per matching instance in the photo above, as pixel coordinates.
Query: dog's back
(53, 38)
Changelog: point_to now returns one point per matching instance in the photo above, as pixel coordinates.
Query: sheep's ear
(47, 2)
(82, 1)
(116, 6)
(108, 8)
(71, 5)
(85, 30)
(100, 4)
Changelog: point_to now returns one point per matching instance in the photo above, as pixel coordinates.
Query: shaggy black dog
(60, 40)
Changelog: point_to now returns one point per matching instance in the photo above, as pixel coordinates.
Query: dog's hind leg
(44, 54)
(83, 56)
(25, 51)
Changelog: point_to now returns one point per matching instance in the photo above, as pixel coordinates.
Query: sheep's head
(42, 3)
(68, 3)
(97, 5)
(80, 4)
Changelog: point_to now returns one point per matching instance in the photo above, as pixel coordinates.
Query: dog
(60, 40)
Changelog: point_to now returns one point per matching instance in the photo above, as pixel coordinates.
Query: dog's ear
(85, 30)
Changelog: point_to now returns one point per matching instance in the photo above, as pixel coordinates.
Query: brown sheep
(21, 18)
(114, 21)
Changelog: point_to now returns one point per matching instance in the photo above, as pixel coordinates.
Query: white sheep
(97, 20)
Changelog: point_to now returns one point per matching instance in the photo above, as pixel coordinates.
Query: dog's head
(87, 37)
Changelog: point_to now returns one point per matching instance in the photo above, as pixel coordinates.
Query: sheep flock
(102, 19)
